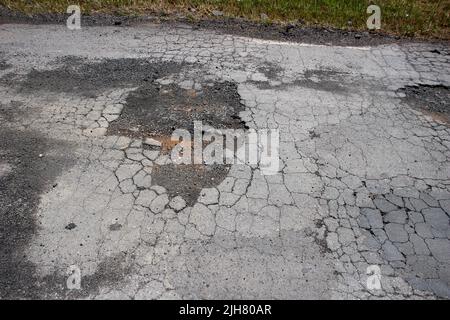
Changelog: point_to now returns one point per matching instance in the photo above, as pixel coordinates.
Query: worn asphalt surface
(364, 165)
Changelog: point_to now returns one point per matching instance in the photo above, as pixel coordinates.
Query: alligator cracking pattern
(364, 177)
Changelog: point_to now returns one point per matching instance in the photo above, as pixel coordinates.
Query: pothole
(434, 100)
(188, 180)
(156, 111)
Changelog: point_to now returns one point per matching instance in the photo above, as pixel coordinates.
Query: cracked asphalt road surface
(364, 166)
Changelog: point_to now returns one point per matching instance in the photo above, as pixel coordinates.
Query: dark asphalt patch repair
(20, 190)
(79, 76)
(156, 111)
(432, 99)
(322, 80)
(27, 177)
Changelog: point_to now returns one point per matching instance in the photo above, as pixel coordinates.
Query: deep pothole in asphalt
(433, 100)
(156, 111)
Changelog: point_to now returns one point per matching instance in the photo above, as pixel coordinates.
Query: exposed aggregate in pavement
(434, 99)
